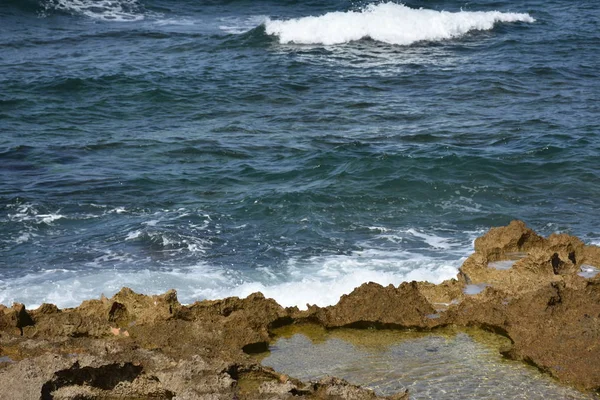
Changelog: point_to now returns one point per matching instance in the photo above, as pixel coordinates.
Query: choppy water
(299, 148)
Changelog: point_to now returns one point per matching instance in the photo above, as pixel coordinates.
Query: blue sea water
(299, 148)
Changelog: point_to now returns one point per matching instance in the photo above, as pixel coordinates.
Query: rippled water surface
(442, 365)
(296, 148)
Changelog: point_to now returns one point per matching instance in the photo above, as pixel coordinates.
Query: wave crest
(387, 22)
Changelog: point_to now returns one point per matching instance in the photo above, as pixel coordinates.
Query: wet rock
(138, 346)
(541, 303)
(335, 388)
(443, 295)
(256, 382)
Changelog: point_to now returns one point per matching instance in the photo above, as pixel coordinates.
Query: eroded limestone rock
(133, 345)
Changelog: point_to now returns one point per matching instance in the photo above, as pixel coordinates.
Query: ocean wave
(107, 10)
(297, 282)
(387, 22)
(323, 280)
(27, 212)
(239, 25)
(169, 242)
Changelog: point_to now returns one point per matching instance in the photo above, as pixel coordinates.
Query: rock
(15, 317)
(443, 295)
(335, 388)
(514, 238)
(138, 346)
(46, 308)
(24, 379)
(372, 305)
(276, 387)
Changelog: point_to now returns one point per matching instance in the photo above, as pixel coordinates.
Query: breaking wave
(389, 23)
(318, 280)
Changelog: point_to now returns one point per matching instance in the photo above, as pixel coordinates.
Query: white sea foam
(434, 241)
(67, 288)
(111, 257)
(387, 22)
(461, 203)
(378, 229)
(391, 256)
(107, 10)
(319, 280)
(171, 242)
(133, 235)
(339, 275)
(24, 237)
(429, 241)
(29, 213)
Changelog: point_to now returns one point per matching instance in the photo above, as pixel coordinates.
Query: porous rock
(372, 305)
(138, 346)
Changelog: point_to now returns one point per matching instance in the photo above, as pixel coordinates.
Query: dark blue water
(222, 147)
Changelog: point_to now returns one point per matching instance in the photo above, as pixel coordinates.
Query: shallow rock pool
(445, 364)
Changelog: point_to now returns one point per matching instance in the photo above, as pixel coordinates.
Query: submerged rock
(138, 346)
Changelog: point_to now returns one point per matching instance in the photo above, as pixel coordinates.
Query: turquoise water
(225, 147)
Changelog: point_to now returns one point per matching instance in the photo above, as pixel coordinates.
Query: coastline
(541, 293)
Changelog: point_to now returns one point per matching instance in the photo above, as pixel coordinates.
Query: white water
(323, 280)
(319, 280)
(107, 10)
(387, 22)
(390, 256)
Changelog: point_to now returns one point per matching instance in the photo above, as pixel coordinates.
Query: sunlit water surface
(447, 364)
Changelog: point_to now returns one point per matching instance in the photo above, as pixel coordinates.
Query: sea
(294, 147)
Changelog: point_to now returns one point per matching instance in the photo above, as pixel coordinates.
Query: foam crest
(68, 288)
(29, 213)
(326, 288)
(107, 10)
(389, 23)
(319, 280)
(434, 241)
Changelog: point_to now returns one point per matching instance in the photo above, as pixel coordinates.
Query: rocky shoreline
(541, 293)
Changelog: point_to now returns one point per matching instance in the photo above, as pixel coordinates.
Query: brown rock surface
(372, 305)
(137, 346)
